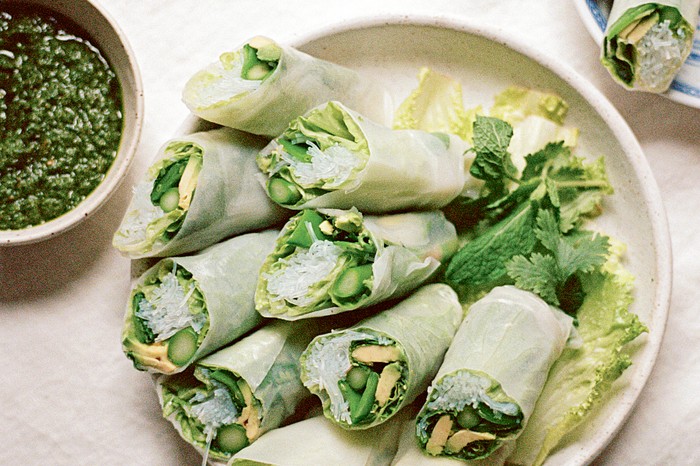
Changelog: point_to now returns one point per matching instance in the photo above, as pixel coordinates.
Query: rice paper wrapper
(268, 361)
(422, 326)
(624, 66)
(316, 441)
(228, 199)
(299, 83)
(226, 274)
(410, 249)
(406, 170)
(512, 337)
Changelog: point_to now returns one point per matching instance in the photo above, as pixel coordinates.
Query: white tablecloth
(68, 395)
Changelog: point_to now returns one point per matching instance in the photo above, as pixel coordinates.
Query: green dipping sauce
(60, 116)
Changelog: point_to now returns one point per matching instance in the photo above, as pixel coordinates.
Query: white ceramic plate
(394, 48)
(685, 88)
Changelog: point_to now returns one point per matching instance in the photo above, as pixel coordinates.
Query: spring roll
(239, 392)
(262, 86)
(331, 261)
(183, 308)
(409, 453)
(316, 441)
(492, 374)
(365, 374)
(333, 157)
(200, 189)
(646, 43)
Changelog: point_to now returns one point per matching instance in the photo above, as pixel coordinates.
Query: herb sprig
(530, 233)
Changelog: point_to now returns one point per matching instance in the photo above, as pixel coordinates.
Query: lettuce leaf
(436, 105)
(515, 103)
(583, 376)
(537, 118)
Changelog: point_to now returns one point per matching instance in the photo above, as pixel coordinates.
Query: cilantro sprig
(530, 231)
(554, 273)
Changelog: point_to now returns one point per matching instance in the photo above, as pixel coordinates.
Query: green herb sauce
(60, 116)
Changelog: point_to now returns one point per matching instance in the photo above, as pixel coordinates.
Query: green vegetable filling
(472, 432)
(467, 416)
(320, 261)
(259, 63)
(175, 180)
(231, 438)
(168, 319)
(373, 382)
(215, 408)
(318, 153)
(182, 346)
(168, 178)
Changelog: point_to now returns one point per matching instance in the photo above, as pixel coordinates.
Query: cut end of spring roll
(331, 261)
(162, 200)
(319, 261)
(201, 189)
(646, 45)
(365, 374)
(469, 415)
(235, 75)
(492, 374)
(333, 157)
(369, 371)
(185, 307)
(322, 151)
(166, 320)
(236, 394)
(262, 85)
(215, 409)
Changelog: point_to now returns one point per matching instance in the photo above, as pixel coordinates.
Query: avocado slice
(369, 354)
(439, 436)
(387, 381)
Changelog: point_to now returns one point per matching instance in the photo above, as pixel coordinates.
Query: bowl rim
(632, 150)
(125, 153)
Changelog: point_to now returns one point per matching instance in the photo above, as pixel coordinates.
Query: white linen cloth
(68, 396)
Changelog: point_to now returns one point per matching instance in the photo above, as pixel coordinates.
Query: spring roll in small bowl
(646, 43)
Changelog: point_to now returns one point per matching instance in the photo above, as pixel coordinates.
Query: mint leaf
(490, 144)
(482, 261)
(551, 158)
